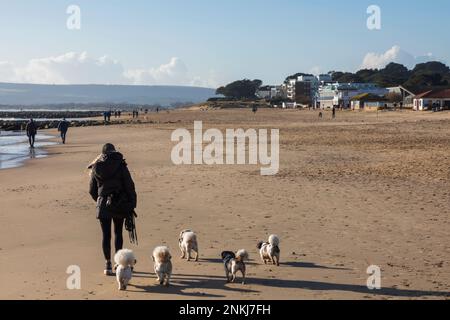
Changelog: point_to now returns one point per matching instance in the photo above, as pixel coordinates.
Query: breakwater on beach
(20, 124)
(17, 120)
(48, 114)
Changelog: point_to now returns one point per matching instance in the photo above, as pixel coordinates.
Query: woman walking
(113, 189)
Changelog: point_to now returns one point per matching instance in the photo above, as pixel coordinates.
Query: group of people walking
(32, 129)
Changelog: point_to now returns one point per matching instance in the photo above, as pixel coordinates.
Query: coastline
(17, 152)
(331, 190)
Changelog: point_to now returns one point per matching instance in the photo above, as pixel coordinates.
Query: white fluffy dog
(234, 263)
(188, 243)
(163, 265)
(125, 261)
(270, 251)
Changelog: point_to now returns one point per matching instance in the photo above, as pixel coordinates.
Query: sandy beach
(365, 189)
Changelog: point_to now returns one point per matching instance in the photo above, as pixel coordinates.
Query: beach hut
(368, 102)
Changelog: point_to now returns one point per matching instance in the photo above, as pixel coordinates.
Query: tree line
(429, 74)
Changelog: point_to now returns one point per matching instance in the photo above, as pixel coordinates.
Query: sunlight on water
(15, 150)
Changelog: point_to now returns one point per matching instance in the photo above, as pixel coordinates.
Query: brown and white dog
(234, 263)
(270, 251)
(163, 265)
(188, 243)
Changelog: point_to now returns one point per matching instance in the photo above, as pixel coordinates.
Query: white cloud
(80, 68)
(396, 54)
(316, 70)
(174, 72)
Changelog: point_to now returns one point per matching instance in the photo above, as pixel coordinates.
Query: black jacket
(31, 128)
(110, 175)
(63, 126)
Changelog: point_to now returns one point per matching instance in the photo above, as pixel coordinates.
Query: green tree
(242, 89)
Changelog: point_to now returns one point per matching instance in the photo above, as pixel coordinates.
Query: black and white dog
(234, 263)
(270, 251)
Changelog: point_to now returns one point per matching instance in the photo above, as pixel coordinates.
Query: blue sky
(208, 42)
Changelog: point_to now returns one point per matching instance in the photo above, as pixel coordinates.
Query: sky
(209, 43)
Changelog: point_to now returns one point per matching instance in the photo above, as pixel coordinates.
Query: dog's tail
(161, 254)
(242, 255)
(227, 255)
(259, 245)
(274, 240)
(125, 258)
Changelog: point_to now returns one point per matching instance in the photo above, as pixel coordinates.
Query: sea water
(15, 149)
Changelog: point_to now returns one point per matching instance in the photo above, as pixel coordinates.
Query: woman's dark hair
(108, 148)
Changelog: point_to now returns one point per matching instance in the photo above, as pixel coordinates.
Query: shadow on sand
(186, 281)
(309, 265)
(180, 282)
(295, 264)
(325, 286)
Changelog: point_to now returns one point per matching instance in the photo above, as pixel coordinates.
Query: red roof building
(432, 98)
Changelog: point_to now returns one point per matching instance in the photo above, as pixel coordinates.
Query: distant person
(105, 116)
(109, 116)
(113, 189)
(31, 130)
(63, 127)
(334, 112)
(255, 109)
(157, 110)
(119, 113)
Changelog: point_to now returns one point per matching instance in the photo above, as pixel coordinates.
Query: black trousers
(31, 139)
(63, 136)
(118, 237)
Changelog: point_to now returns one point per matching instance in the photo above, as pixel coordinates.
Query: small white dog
(188, 243)
(125, 262)
(270, 251)
(234, 263)
(163, 265)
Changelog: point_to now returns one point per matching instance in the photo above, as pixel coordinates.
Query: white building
(432, 98)
(406, 94)
(340, 94)
(269, 92)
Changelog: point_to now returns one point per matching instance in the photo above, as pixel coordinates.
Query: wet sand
(363, 190)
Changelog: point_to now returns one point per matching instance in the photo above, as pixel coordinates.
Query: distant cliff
(32, 94)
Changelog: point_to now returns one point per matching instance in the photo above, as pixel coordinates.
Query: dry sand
(363, 190)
